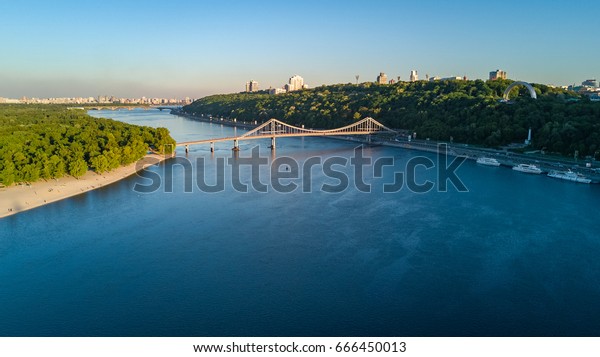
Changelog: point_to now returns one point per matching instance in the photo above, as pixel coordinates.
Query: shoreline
(505, 157)
(225, 122)
(19, 198)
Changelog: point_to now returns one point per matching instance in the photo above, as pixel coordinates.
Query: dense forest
(468, 111)
(47, 141)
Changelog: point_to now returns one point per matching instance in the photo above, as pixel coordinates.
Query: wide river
(516, 255)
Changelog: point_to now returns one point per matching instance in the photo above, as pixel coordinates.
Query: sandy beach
(19, 198)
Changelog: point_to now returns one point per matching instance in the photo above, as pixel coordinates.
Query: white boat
(569, 176)
(488, 161)
(528, 168)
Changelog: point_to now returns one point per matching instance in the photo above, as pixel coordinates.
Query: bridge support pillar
(236, 145)
(212, 146)
(272, 143)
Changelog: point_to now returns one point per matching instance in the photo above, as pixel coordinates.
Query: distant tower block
(497, 74)
(295, 83)
(382, 78)
(414, 76)
(252, 86)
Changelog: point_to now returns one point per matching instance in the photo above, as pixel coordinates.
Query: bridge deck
(268, 136)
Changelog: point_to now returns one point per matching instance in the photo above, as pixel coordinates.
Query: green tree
(99, 164)
(78, 168)
(7, 173)
(57, 167)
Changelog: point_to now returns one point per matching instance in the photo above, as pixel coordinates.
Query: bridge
(277, 129)
(167, 107)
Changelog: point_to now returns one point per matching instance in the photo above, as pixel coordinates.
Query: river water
(516, 255)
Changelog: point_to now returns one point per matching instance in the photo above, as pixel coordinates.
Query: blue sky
(197, 48)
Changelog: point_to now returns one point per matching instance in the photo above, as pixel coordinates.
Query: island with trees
(51, 141)
(468, 111)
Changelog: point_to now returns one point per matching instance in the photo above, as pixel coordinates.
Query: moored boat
(569, 176)
(489, 161)
(528, 168)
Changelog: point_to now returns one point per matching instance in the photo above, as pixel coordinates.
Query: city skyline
(70, 49)
(101, 99)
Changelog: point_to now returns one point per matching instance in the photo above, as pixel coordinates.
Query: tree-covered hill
(46, 141)
(468, 111)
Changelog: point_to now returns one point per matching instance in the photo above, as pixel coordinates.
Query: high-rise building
(497, 74)
(590, 83)
(414, 76)
(252, 86)
(296, 83)
(381, 78)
